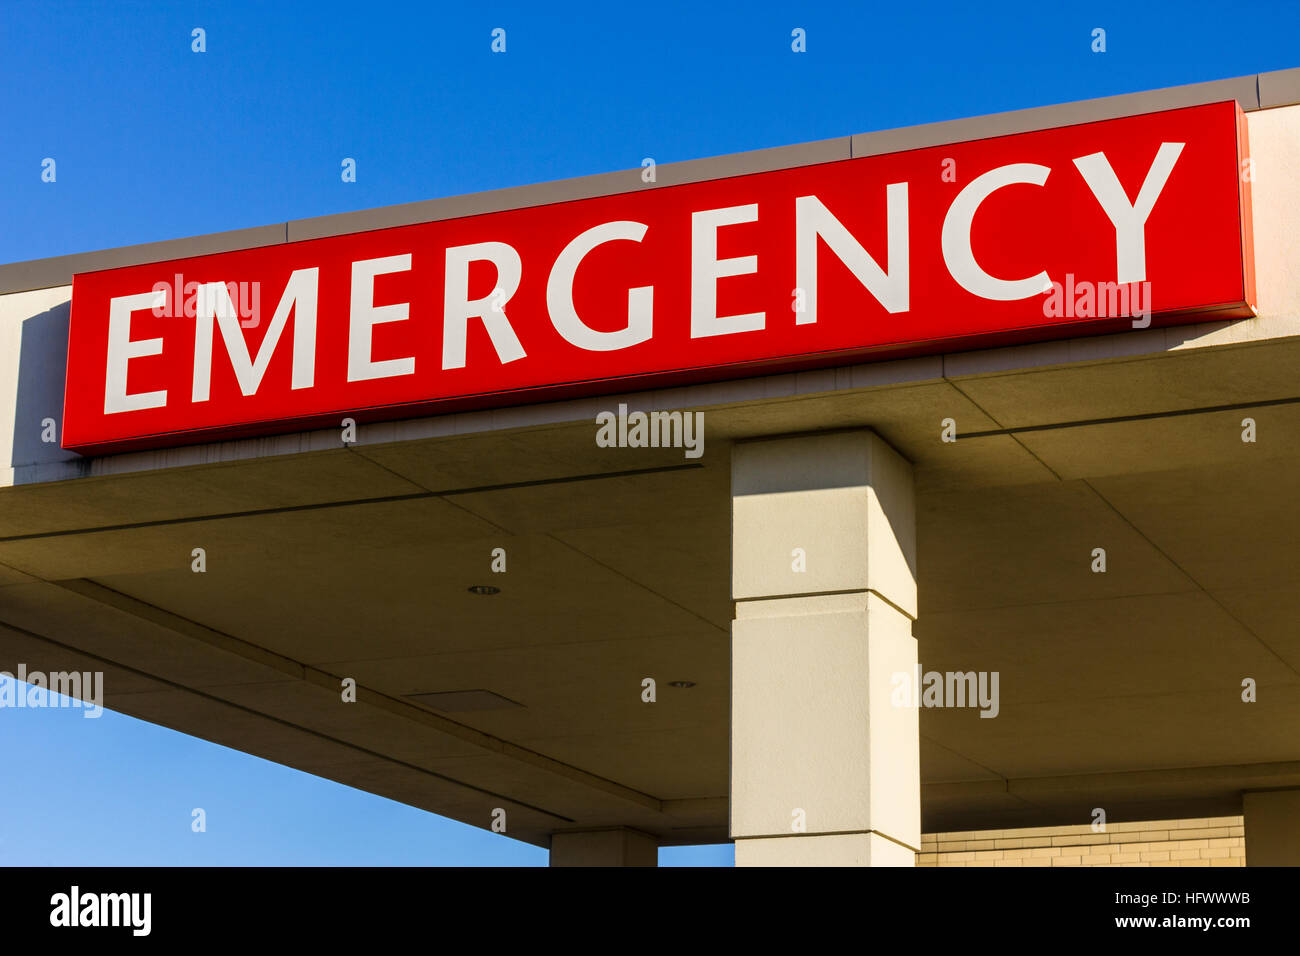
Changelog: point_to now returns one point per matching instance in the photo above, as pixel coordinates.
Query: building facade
(960, 560)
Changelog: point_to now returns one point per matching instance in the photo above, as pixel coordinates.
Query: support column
(615, 846)
(1272, 827)
(824, 770)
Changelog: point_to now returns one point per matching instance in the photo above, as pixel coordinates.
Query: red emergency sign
(1096, 227)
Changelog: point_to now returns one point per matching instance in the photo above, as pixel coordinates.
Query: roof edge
(1253, 92)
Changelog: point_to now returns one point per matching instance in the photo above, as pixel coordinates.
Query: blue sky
(153, 141)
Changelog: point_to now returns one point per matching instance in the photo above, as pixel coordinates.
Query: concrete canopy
(323, 562)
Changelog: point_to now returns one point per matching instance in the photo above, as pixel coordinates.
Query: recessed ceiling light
(484, 589)
(681, 683)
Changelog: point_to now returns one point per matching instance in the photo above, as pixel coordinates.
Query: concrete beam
(1272, 827)
(617, 846)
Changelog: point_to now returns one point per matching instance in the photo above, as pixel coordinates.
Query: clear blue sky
(152, 141)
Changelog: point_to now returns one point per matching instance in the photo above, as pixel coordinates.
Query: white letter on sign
(812, 220)
(213, 305)
(707, 269)
(121, 350)
(957, 254)
(458, 309)
(366, 315)
(1129, 221)
(559, 293)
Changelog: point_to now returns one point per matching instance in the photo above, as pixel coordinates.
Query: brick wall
(1217, 841)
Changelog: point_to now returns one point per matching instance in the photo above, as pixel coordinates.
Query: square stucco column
(824, 770)
(615, 846)
(1272, 819)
